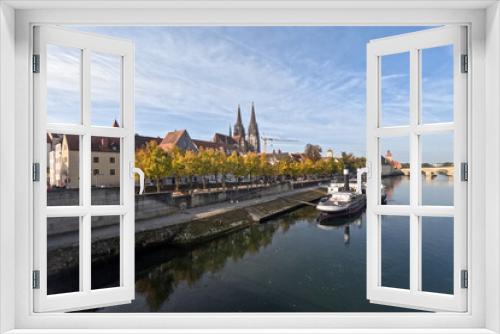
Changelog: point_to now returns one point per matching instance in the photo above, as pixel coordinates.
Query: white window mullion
(127, 256)
(415, 178)
(86, 249)
(414, 253)
(373, 180)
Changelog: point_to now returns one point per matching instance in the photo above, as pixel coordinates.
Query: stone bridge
(431, 171)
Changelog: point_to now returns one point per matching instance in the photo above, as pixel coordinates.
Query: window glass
(63, 84)
(395, 241)
(438, 169)
(63, 255)
(395, 169)
(437, 84)
(63, 170)
(105, 89)
(437, 254)
(106, 250)
(395, 89)
(106, 181)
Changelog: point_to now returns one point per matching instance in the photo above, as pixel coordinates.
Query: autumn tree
(224, 167)
(236, 167)
(285, 167)
(191, 168)
(155, 162)
(313, 152)
(204, 165)
(252, 165)
(178, 167)
(321, 167)
(214, 165)
(265, 169)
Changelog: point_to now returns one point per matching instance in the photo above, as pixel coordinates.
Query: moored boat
(344, 202)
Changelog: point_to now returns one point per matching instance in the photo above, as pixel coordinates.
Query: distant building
(181, 139)
(388, 156)
(390, 166)
(238, 140)
(253, 133)
(329, 154)
(64, 160)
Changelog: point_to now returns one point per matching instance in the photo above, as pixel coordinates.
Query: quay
(183, 229)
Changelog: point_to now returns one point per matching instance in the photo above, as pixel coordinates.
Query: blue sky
(307, 83)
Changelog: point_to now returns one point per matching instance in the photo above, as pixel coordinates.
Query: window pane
(395, 89)
(395, 153)
(63, 84)
(105, 252)
(105, 184)
(437, 254)
(437, 169)
(105, 89)
(395, 251)
(437, 84)
(63, 170)
(63, 255)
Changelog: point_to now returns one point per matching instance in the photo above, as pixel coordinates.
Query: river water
(295, 264)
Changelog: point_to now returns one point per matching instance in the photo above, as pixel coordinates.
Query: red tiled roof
(115, 124)
(172, 137)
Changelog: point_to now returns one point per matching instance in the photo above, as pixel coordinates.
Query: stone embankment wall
(199, 230)
(155, 205)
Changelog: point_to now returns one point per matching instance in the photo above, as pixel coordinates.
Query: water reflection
(436, 190)
(328, 223)
(285, 265)
(293, 264)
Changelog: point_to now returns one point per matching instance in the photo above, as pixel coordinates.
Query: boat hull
(342, 210)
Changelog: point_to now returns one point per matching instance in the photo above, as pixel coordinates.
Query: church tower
(239, 129)
(253, 133)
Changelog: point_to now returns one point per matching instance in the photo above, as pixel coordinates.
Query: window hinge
(464, 171)
(465, 64)
(465, 279)
(36, 279)
(36, 172)
(36, 63)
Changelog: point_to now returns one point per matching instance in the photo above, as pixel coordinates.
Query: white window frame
(414, 43)
(484, 81)
(85, 297)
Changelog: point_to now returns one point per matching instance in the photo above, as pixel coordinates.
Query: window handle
(361, 171)
(134, 170)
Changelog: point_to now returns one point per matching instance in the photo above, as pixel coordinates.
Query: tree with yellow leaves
(236, 167)
(191, 166)
(203, 165)
(155, 162)
(224, 167)
(178, 166)
(284, 167)
(265, 169)
(252, 165)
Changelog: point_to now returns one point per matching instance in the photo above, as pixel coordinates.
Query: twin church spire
(253, 137)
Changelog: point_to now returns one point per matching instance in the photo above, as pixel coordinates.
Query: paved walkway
(174, 219)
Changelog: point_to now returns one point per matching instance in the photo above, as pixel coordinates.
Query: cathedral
(238, 140)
